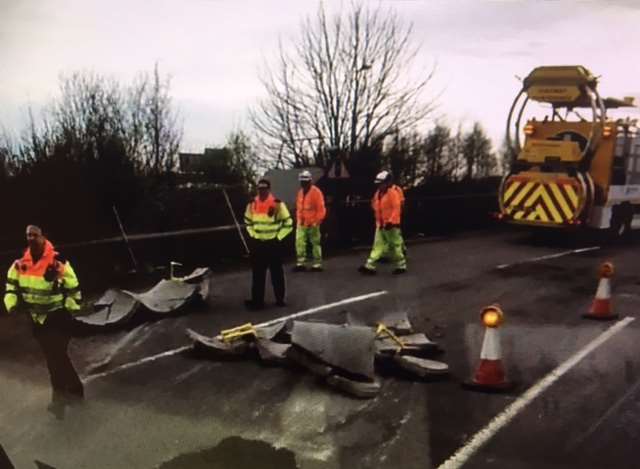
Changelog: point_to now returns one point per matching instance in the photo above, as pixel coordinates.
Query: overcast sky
(214, 49)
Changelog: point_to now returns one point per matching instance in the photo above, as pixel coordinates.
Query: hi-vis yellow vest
(268, 219)
(43, 286)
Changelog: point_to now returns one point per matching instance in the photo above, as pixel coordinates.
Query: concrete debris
(345, 356)
(168, 296)
(272, 352)
(115, 306)
(412, 344)
(308, 362)
(217, 347)
(421, 367)
(362, 389)
(397, 321)
(349, 348)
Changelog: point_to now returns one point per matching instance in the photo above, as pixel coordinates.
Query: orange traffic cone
(602, 307)
(490, 375)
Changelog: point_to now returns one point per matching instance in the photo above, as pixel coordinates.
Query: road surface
(178, 411)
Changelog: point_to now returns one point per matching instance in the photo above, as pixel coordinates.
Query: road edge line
(463, 454)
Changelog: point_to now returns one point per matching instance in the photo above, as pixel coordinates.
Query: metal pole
(235, 220)
(126, 240)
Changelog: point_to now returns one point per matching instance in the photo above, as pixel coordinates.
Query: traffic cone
(602, 307)
(490, 375)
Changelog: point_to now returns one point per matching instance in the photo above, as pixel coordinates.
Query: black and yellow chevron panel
(550, 202)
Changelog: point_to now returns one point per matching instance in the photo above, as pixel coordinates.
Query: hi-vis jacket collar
(27, 266)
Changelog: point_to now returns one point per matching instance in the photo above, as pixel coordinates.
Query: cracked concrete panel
(349, 348)
(118, 306)
(166, 296)
(115, 306)
(214, 345)
(398, 321)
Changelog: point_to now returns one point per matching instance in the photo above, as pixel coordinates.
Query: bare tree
(160, 150)
(345, 83)
(479, 159)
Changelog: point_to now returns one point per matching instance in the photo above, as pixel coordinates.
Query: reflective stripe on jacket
(268, 219)
(387, 207)
(43, 286)
(310, 209)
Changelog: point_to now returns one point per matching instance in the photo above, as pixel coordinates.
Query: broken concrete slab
(217, 347)
(272, 352)
(305, 360)
(397, 321)
(413, 343)
(362, 389)
(166, 296)
(421, 367)
(115, 306)
(202, 277)
(119, 306)
(350, 348)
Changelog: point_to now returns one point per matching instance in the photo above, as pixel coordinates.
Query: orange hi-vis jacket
(310, 209)
(387, 207)
(43, 286)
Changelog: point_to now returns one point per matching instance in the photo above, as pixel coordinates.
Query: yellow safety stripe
(511, 189)
(572, 195)
(537, 201)
(568, 213)
(522, 193)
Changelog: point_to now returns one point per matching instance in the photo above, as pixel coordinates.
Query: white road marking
(548, 256)
(184, 348)
(463, 454)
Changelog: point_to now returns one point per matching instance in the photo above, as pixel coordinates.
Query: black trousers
(267, 255)
(54, 337)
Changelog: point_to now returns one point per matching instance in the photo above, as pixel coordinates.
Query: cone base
(505, 386)
(600, 317)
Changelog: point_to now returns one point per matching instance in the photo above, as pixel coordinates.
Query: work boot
(399, 271)
(252, 305)
(299, 268)
(317, 268)
(281, 304)
(364, 270)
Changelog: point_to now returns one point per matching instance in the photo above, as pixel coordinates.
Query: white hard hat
(382, 176)
(304, 176)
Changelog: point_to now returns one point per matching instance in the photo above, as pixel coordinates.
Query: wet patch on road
(235, 453)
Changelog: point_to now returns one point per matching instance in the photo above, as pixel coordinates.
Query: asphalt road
(183, 412)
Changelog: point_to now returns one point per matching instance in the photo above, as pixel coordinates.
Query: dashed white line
(463, 454)
(548, 256)
(184, 348)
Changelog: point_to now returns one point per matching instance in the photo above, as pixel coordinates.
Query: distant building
(213, 160)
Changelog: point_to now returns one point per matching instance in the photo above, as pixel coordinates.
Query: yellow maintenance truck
(571, 170)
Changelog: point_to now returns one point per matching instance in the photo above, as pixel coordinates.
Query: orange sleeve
(322, 210)
(299, 207)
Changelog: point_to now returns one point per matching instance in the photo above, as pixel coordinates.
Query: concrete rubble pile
(117, 307)
(348, 357)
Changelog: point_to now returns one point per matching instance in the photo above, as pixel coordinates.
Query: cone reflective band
(492, 316)
(607, 270)
(490, 375)
(602, 306)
